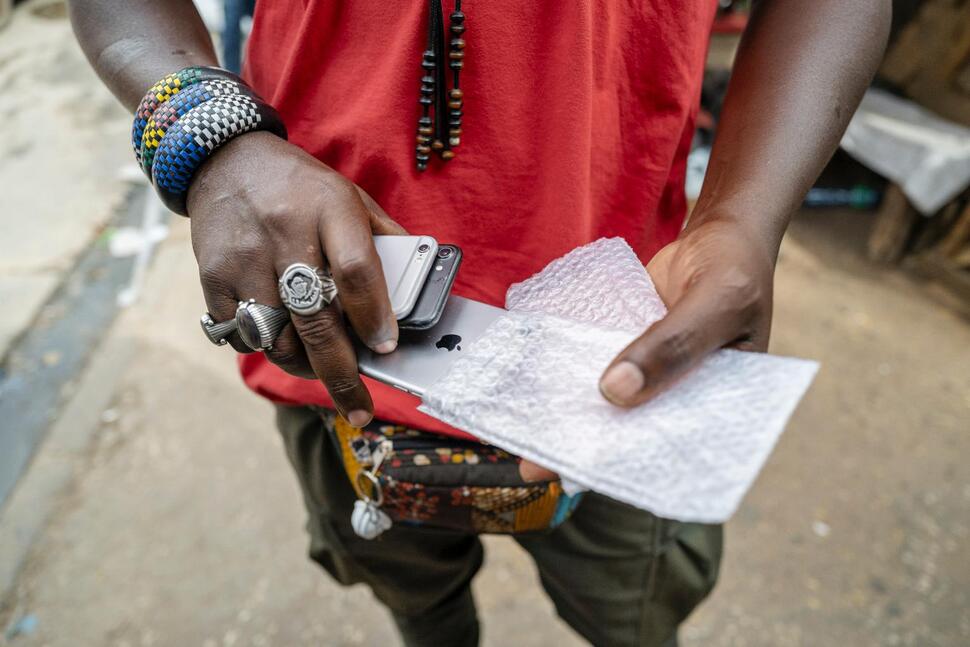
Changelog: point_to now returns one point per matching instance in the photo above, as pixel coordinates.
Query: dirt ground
(184, 527)
(182, 523)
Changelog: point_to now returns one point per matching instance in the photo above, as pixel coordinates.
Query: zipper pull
(382, 451)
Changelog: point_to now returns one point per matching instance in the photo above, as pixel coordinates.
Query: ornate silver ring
(217, 332)
(305, 290)
(259, 325)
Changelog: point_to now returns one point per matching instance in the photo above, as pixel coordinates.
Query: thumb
(702, 321)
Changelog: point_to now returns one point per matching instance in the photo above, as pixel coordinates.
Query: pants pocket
(683, 574)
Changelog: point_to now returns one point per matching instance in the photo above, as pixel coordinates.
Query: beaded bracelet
(169, 112)
(192, 138)
(165, 89)
(186, 116)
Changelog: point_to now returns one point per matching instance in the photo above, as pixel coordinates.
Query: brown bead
(422, 139)
(454, 104)
(426, 130)
(456, 93)
(447, 155)
(456, 55)
(437, 145)
(454, 132)
(423, 149)
(458, 43)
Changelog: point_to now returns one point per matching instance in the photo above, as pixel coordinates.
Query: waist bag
(407, 476)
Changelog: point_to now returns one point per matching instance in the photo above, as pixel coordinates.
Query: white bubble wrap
(530, 386)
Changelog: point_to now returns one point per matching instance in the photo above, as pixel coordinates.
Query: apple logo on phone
(450, 342)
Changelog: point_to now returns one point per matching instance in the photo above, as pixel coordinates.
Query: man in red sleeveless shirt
(577, 120)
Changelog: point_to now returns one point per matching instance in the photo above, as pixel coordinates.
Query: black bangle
(165, 89)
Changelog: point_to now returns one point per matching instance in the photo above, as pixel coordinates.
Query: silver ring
(259, 325)
(305, 290)
(217, 332)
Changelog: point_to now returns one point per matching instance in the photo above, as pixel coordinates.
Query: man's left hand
(716, 280)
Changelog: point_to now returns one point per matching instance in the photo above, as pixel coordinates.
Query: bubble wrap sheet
(530, 386)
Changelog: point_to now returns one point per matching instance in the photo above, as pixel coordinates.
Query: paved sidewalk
(62, 141)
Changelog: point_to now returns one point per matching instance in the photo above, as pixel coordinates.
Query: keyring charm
(378, 498)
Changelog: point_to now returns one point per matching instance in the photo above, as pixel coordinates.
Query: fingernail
(622, 382)
(359, 418)
(386, 346)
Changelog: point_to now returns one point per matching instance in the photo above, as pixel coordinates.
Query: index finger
(348, 245)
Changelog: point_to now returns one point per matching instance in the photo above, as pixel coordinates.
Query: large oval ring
(259, 325)
(305, 290)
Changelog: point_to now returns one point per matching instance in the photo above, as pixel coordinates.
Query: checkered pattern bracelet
(165, 89)
(169, 112)
(191, 139)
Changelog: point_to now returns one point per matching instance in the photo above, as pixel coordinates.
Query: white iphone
(406, 261)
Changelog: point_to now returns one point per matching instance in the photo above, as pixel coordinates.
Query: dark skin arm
(258, 205)
(800, 73)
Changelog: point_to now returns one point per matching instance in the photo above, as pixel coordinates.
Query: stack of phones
(434, 329)
(419, 274)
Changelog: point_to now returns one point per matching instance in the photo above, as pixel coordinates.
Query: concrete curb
(56, 409)
(36, 497)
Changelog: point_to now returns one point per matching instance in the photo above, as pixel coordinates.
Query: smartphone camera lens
(445, 252)
(423, 248)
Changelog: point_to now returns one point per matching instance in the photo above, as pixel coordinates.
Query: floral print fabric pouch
(407, 476)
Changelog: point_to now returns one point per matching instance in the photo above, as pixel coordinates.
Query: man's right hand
(260, 204)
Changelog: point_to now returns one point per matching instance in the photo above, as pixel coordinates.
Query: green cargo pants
(617, 575)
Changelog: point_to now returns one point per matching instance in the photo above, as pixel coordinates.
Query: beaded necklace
(435, 134)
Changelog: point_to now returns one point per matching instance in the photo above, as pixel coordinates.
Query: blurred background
(145, 498)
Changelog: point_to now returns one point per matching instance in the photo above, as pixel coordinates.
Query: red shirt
(577, 121)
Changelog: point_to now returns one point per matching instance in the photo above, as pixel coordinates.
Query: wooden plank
(931, 56)
(957, 239)
(892, 228)
(948, 283)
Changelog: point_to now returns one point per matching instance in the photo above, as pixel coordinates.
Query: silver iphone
(423, 356)
(406, 261)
